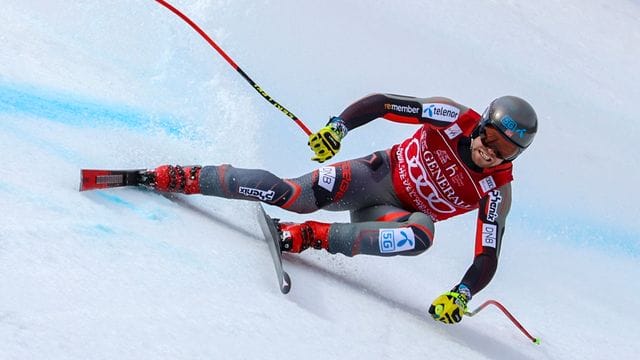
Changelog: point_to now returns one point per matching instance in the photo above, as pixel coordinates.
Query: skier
(456, 162)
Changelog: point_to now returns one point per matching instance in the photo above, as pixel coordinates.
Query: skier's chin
(484, 160)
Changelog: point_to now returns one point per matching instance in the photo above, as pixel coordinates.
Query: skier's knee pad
(330, 183)
(423, 231)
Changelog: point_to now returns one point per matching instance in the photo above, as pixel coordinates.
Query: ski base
(270, 232)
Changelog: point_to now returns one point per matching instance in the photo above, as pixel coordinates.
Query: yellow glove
(451, 306)
(326, 142)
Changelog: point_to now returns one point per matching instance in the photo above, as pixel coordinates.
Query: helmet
(514, 118)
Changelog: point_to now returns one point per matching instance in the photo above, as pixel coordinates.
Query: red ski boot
(296, 238)
(175, 179)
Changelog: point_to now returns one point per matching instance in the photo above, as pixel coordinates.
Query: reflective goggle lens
(494, 140)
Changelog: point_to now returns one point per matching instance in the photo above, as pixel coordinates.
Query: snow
(129, 274)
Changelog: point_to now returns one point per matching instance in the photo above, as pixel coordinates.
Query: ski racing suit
(396, 195)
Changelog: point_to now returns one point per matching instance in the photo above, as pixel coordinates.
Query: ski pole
(264, 94)
(508, 314)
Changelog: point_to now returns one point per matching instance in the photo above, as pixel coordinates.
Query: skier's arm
(492, 214)
(438, 111)
(451, 306)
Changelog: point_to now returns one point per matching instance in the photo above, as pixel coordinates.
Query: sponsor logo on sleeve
(327, 177)
(494, 201)
(405, 109)
(489, 235)
(487, 184)
(440, 112)
(453, 131)
(264, 195)
(396, 240)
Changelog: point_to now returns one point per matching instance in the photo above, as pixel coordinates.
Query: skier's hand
(326, 142)
(450, 306)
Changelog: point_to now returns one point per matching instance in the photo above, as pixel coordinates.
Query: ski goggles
(493, 139)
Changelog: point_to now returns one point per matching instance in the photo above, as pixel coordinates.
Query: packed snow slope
(130, 274)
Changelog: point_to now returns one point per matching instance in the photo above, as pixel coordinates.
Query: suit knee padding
(423, 229)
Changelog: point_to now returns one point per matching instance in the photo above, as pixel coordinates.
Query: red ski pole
(264, 94)
(508, 314)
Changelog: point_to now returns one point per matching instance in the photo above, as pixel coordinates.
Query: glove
(451, 306)
(326, 142)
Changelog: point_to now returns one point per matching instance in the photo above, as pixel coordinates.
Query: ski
(91, 179)
(268, 226)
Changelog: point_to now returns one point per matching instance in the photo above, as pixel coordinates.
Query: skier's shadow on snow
(206, 213)
(485, 344)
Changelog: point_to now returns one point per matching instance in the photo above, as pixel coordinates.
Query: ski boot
(296, 238)
(169, 178)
